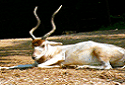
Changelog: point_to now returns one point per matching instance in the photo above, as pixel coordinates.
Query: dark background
(16, 16)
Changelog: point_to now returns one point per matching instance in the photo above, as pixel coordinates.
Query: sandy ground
(18, 51)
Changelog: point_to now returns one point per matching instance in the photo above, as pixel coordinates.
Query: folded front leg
(123, 67)
(53, 61)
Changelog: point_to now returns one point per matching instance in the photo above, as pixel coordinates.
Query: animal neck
(53, 50)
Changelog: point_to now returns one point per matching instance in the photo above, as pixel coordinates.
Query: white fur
(86, 54)
(82, 54)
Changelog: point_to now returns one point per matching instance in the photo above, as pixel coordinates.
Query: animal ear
(54, 43)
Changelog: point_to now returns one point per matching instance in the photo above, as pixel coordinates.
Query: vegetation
(115, 26)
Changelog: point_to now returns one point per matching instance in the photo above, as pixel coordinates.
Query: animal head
(41, 46)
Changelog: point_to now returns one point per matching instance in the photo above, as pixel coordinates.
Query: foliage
(119, 16)
(116, 26)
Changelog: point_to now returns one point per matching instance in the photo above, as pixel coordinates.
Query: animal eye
(35, 44)
(43, 46)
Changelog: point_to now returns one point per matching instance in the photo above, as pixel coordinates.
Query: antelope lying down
(86, 54)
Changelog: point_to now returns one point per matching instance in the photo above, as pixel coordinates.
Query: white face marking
(39, 51)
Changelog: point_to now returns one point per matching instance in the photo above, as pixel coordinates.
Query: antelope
(87, 54)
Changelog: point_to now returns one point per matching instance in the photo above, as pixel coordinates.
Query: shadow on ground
(15, 52)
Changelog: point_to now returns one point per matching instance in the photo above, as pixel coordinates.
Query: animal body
(87, 54)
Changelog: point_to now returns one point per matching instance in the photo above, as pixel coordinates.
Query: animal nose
(33, 58)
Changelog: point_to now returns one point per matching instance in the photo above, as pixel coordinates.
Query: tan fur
(102, 56)
(37, 42)
(107, 54)
(42, 59)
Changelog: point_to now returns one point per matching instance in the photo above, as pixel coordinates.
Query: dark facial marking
(37, 42)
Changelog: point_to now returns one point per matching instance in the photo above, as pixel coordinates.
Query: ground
(18, 51)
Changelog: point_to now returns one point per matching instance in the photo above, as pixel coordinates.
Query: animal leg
(102, 57)
(50, 63)
(123, 67)
(54, 66)
(105, 66)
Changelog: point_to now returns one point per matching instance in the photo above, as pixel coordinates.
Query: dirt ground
(18, 51)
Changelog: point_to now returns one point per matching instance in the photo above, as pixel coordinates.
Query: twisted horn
(53, 24)
(38, 23)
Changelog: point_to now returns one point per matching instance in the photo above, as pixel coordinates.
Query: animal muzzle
(34, 56)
